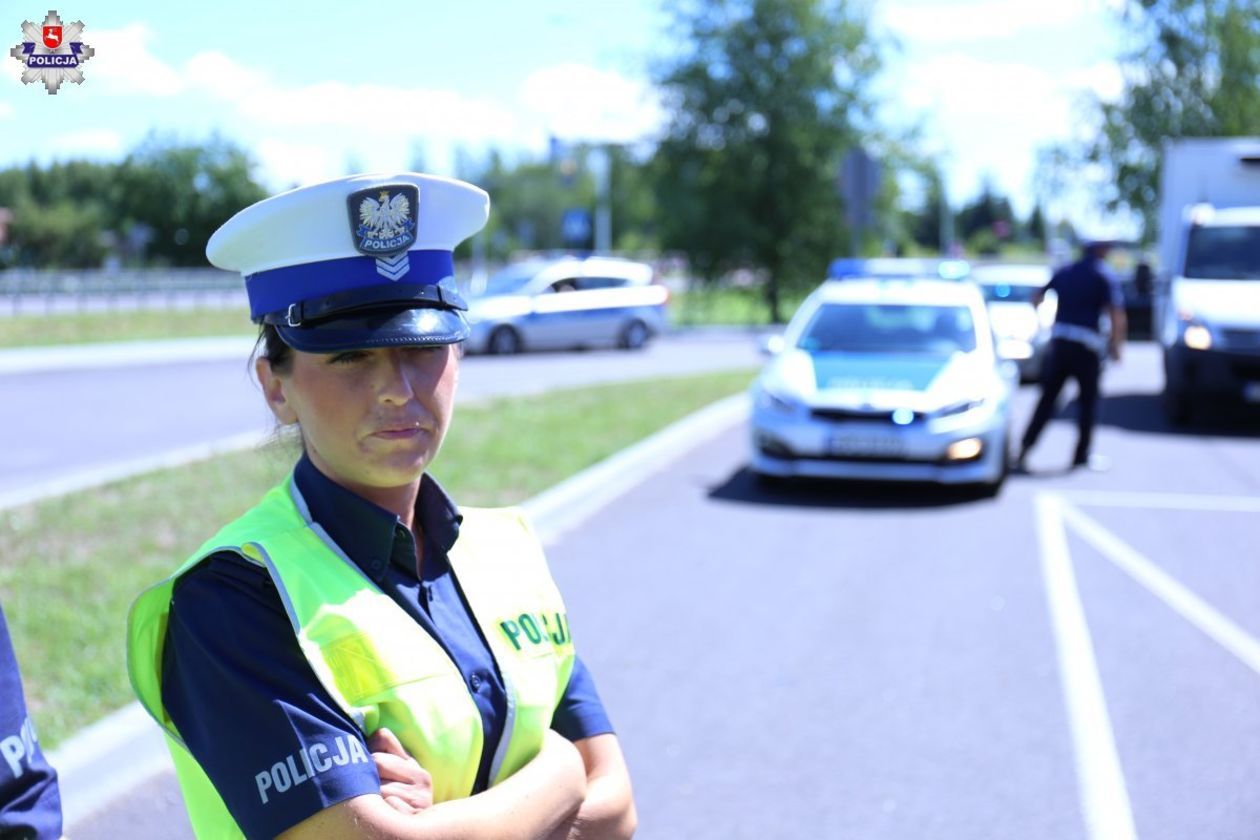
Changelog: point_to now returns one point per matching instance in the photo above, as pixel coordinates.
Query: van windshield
(1224, 253)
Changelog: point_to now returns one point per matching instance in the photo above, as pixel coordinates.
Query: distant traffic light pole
(600, 163)
(859, 186)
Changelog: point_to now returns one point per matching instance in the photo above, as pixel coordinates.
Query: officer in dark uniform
(1085, 290)
(30, 801)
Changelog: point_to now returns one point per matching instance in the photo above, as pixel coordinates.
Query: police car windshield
(889, 328)
(1224, 253)
(511, 279)
(1007, 292)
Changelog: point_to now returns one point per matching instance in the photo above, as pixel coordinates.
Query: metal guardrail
(32, 292)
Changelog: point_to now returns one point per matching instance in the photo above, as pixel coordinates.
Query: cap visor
(393, 328)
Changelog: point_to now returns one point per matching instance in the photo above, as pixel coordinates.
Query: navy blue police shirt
(1084, 289)
(30, 801)
(251, 710)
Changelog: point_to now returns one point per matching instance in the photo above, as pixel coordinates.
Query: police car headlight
(959, 408)
(965, 450)
(776, 402)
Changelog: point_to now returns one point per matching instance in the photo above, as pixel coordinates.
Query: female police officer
(355, 619)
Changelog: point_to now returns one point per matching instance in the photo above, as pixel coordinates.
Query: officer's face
(370, 419)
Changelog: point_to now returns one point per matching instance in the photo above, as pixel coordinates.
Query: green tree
(633, 202)
(1194, 71)
(58, 234)
(928, 225)
(182, 193)
(60, 214)
(527, 203)
(764, 102)
(990, 214)
(1036, 226)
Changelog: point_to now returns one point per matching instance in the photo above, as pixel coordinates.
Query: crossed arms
(569, 791)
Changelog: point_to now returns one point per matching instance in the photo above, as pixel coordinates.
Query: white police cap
(358, 262)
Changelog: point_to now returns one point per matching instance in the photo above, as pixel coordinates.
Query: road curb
(105, 760)
(113, 354)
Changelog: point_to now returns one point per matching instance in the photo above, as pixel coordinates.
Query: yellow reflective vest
(376, 662)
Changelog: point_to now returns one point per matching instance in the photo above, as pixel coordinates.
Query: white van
(1207, 307)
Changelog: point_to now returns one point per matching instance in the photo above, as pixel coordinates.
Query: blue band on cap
(273, 291)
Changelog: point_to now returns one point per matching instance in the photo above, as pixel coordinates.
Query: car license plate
(1251, 392)
(866, 446)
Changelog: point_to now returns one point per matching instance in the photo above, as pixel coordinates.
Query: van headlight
(1197, 336)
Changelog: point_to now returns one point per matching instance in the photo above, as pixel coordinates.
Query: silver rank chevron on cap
(394, 267)
(53, 53)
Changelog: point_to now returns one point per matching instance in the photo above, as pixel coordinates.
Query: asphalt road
(874, 662)
(1077, 658)
(72, 421)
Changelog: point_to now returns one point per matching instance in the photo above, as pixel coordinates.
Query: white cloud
(6, 110)
(1104, 79)
(992, 116)
(96, 143)
(377, 125)
(977, 20)
(284, 164)
(123, 63)
(370, 121)
(578, 102)
(222, 76)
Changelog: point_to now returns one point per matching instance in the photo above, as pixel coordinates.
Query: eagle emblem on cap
(383, 219)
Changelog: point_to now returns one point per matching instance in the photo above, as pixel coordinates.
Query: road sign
(575, 226)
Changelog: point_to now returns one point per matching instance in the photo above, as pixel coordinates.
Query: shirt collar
(371, 536)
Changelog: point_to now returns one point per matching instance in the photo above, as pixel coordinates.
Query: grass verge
(728, 305)
(733, 306)
(122, 325)
(70, 567)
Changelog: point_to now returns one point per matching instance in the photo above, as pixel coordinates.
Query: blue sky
(314, 88)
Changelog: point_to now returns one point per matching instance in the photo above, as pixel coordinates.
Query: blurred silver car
(886, 379)
(567, 302)
(1022, 330)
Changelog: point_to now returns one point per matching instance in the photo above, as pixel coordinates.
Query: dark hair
(271, 347)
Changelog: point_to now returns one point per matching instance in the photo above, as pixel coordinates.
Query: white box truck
(1207, 305)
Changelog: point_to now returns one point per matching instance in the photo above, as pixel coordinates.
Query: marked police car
(886, 379)
(568, 302)
(904, 268)
(1022, 330)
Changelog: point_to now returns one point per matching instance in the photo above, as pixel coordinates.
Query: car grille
(844, 415)
(1248, 371)
(1239, 339)
(882, 459)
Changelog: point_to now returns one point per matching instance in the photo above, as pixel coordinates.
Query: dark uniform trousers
(1068, 359)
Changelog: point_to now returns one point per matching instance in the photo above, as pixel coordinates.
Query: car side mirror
(773, 345)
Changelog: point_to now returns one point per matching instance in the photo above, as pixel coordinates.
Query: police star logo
(52, 53)
(383, 222)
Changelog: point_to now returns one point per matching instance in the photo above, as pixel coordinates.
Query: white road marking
(1100, 778)
(1177, 501)
(1188, 605)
